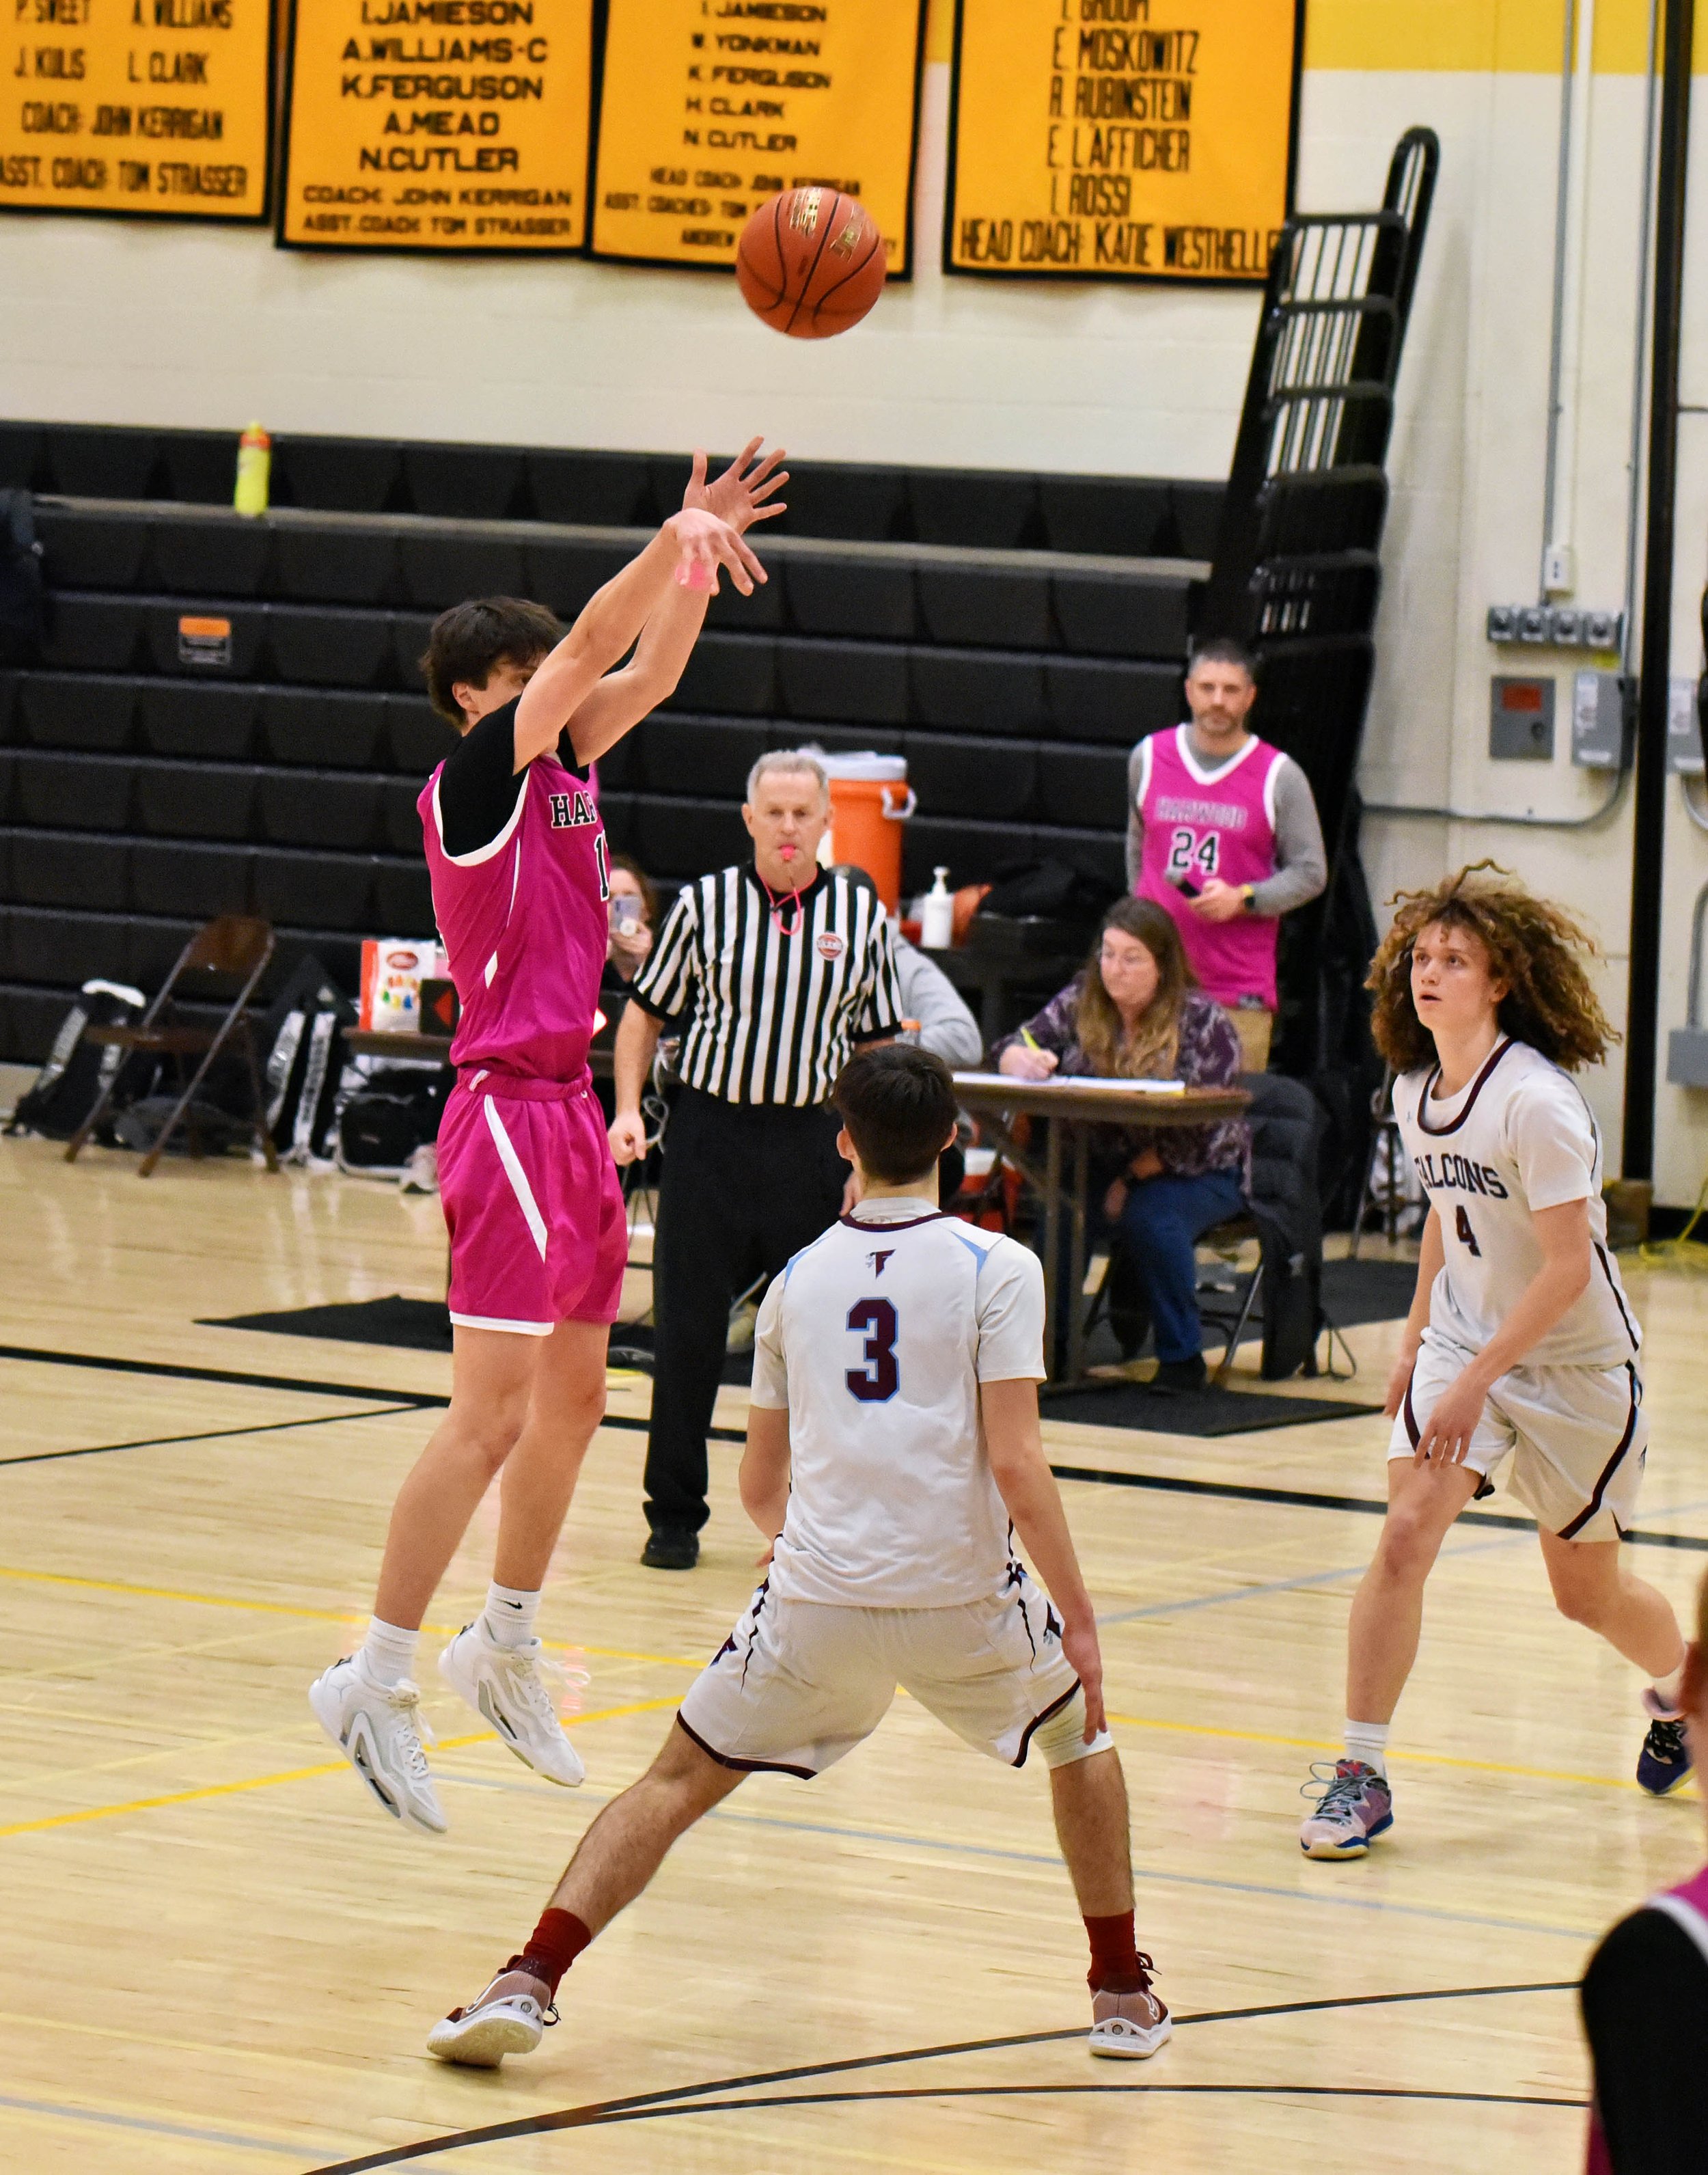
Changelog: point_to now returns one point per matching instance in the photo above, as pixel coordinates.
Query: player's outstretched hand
(1079, 1642)
(707, 543)
(742, 494)
(628, 1137)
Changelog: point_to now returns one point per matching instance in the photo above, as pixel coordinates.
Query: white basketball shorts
(1577, 1437)
(797, 1683)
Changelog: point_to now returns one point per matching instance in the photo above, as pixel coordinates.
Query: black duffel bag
(385, 1121)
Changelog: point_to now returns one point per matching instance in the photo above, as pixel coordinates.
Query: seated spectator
(633, 909)
(1134, 1012)
(1645, 2000)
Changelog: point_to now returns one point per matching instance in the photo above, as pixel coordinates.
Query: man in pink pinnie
(521, 875)
(1222, 831)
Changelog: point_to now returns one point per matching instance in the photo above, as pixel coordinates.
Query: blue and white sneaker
(1664, 1761)
(1354, 1805)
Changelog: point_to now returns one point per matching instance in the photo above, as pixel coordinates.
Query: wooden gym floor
(216, 1953)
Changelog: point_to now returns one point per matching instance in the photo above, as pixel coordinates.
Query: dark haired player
(520, 875)
(1521, 1342)
(893, 1452)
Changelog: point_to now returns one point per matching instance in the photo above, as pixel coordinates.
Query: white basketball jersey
(1518, 1138)
(875, 1338)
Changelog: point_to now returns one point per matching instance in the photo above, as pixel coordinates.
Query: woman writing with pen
(1134, 1012)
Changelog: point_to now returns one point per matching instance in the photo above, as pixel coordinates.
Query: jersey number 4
(1462, 1231)
(878, 1381)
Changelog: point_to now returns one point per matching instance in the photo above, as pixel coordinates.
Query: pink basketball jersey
(524, 922)
(1198, 824)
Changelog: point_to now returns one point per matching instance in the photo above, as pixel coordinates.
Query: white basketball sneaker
(504, 1684)
(1131, 2027)
(378, 1729)
(510, 2018)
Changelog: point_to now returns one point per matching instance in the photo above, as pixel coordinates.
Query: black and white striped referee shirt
(772, 1000)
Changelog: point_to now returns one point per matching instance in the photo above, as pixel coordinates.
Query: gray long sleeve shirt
(946, 1028)
(1301, 863)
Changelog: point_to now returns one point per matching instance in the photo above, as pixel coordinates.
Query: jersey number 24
(877, 1381)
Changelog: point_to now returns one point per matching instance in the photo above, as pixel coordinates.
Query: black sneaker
(1664, 1761)
(1178, 1374)
(671, 1548)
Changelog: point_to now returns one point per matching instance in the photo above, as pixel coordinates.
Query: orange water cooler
(870, 801)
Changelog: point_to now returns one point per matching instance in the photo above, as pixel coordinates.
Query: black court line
(1299, 1498)
(205, 1434)
(692, 2099)
(1296, 1498)
(401, 1399)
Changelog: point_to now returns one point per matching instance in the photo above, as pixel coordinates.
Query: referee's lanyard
(773, 899)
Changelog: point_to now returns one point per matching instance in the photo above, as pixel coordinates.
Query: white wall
(118, 322)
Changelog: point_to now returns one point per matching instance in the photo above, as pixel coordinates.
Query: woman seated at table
(1134, 1012)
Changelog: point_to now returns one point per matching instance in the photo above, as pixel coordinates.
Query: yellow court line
(1319, 1746)
(291, 1775)
(315, 1616)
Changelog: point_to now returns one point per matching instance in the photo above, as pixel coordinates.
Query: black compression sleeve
(1645, 2009)
(479, 785)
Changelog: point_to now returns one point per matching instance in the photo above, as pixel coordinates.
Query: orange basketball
(810, 263)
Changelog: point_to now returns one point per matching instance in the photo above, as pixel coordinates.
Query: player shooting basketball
(1521, 1342)
(538, 1237)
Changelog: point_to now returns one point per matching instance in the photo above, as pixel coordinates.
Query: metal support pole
(1649, 839)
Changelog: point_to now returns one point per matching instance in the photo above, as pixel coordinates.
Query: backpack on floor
(301, 1044)
(70, 1083)
(395, 1112)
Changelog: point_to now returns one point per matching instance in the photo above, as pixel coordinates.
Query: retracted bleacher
(227, 715)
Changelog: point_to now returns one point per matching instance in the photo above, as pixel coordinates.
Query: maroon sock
(1114, 1955)
(553, 1947)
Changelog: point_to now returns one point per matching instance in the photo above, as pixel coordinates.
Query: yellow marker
(1028, 1037)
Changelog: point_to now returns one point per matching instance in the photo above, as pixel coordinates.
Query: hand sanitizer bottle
(937, 919)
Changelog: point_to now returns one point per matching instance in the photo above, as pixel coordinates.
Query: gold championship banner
(1148, 139)
(707, 107)
(436, 124)
(161, 108)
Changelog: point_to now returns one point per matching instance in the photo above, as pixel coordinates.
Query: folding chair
(234, 947)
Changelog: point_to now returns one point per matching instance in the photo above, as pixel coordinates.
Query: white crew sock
(1368, 1741)
(509, 1613)
(388, 1652)
(1670, 1691)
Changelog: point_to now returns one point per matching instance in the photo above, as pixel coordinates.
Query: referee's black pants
(743, 1189)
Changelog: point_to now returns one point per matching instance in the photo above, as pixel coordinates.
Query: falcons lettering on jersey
(1443, 1173)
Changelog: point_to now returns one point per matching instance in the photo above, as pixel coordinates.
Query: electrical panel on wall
(1600, 721)
(1520, 718)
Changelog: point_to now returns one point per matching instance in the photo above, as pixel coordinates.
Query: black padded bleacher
(1011, 635)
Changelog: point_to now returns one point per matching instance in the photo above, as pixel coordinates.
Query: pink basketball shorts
(539, 1233)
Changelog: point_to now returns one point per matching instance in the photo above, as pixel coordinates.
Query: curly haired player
(1521, 1342)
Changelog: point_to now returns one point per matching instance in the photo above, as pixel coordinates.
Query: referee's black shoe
(671, 1547)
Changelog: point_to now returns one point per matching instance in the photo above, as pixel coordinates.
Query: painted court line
(227, 2140)
(274, 1782)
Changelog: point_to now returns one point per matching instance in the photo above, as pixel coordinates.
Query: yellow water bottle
(254, 468)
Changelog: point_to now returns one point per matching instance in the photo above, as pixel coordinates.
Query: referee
(774, 969)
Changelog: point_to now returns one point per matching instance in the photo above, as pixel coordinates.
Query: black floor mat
(1204, 1412)
(422, 1324)
(1368, 1291)
(417, 1325)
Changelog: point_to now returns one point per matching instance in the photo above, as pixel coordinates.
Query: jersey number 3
(878, 1381)
(1462, 1231)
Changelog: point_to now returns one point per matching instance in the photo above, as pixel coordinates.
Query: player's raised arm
(690, 547)
(1015, 1444)
(740, 496)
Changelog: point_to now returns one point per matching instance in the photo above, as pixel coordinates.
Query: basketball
(810, 263)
